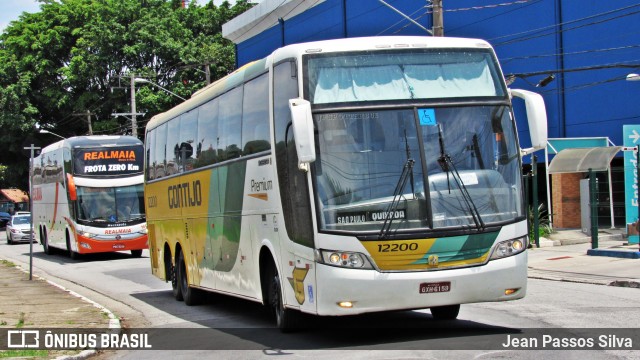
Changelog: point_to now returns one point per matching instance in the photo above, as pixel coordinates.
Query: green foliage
(78, 55)
(544, 225)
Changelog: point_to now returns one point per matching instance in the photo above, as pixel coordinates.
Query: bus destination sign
(108, 161)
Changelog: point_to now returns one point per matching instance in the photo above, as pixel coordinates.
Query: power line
(551, 27)
(527, 57)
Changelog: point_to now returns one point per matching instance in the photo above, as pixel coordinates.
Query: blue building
(580, 50)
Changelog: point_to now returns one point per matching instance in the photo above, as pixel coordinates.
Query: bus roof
(93, 141)
(255, 68)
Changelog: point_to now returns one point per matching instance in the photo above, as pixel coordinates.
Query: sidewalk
(40, 304)
(567, 256)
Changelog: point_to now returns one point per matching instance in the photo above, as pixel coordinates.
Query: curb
(614, 253)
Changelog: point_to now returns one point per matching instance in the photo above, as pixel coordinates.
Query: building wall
(532, 39)
(566, 200)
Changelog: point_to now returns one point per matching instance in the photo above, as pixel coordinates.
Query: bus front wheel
(286, 319)
(136, 253)
(72, 254)
(449, 312)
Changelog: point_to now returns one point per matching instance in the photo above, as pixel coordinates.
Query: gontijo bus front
(88, 195)
(363, 175)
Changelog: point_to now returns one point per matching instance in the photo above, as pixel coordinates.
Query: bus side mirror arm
(302, 124)
(536, 117)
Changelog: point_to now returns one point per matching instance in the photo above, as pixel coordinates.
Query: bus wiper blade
(407, 172)
(447, 166)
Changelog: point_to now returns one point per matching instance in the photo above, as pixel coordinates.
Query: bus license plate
(437, 287)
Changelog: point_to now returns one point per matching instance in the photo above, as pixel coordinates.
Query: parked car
(4, 218)
(18, 228)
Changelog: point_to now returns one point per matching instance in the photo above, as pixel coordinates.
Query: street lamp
(633, 77)
(145, 81)
(43, 131)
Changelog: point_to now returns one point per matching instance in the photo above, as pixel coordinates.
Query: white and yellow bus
(343, 177)
(88, 195)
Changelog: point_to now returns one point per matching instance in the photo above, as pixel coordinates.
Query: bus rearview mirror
(302, 123)
(536, 117)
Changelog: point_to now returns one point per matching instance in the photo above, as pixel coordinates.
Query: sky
(11, 9)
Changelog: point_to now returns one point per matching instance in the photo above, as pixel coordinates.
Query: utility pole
(89, 122)
(88, 115)
(207, 73)
(33, 149)
(438, 20)
(132, 90)
(134, 123)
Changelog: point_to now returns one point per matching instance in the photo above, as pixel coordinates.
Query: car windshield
(111, 205)
(421, 167)
(21, 220)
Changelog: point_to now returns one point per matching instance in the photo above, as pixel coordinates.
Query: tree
(78, 55)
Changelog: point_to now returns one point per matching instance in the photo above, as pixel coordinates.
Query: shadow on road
(62, 257)
(244, 325)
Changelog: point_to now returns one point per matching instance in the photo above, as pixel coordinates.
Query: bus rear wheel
(136, 253)
(449, 312)
(190, 295)
(44, 241)
(175, 283)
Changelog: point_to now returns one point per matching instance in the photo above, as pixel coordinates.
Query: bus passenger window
(173, 147)
(150, 155)
(188, 132)
(207, 139)
(229, 121)
(160, 151)
(255, 116)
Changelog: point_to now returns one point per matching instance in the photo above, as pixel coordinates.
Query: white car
(18, 228)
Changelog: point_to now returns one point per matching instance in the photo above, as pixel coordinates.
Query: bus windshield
(101, 206)
(431, 167)
(406, 75)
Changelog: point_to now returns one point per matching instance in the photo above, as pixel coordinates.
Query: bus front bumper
(372, 291)
(87, 245)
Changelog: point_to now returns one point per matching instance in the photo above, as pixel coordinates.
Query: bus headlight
(509, 248)
(88, 234)
(345, 259)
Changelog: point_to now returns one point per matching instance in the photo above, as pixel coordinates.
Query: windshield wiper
(448, 166)
(407, 173)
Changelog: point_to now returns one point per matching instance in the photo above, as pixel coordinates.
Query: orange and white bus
(88, 195)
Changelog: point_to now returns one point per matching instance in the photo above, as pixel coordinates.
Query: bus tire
(136, 253)
(172, 274)
(44, 241)
(190, 295)
(448, 312)
(72, 254)
(287, 320)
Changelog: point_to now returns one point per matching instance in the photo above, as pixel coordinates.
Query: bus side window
(229, 117)
(207, 139)
(255, 116)
(150, 155)
(188, 135)
(160, 151)
(173, 146)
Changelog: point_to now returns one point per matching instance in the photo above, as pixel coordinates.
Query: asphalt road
(125, 286)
